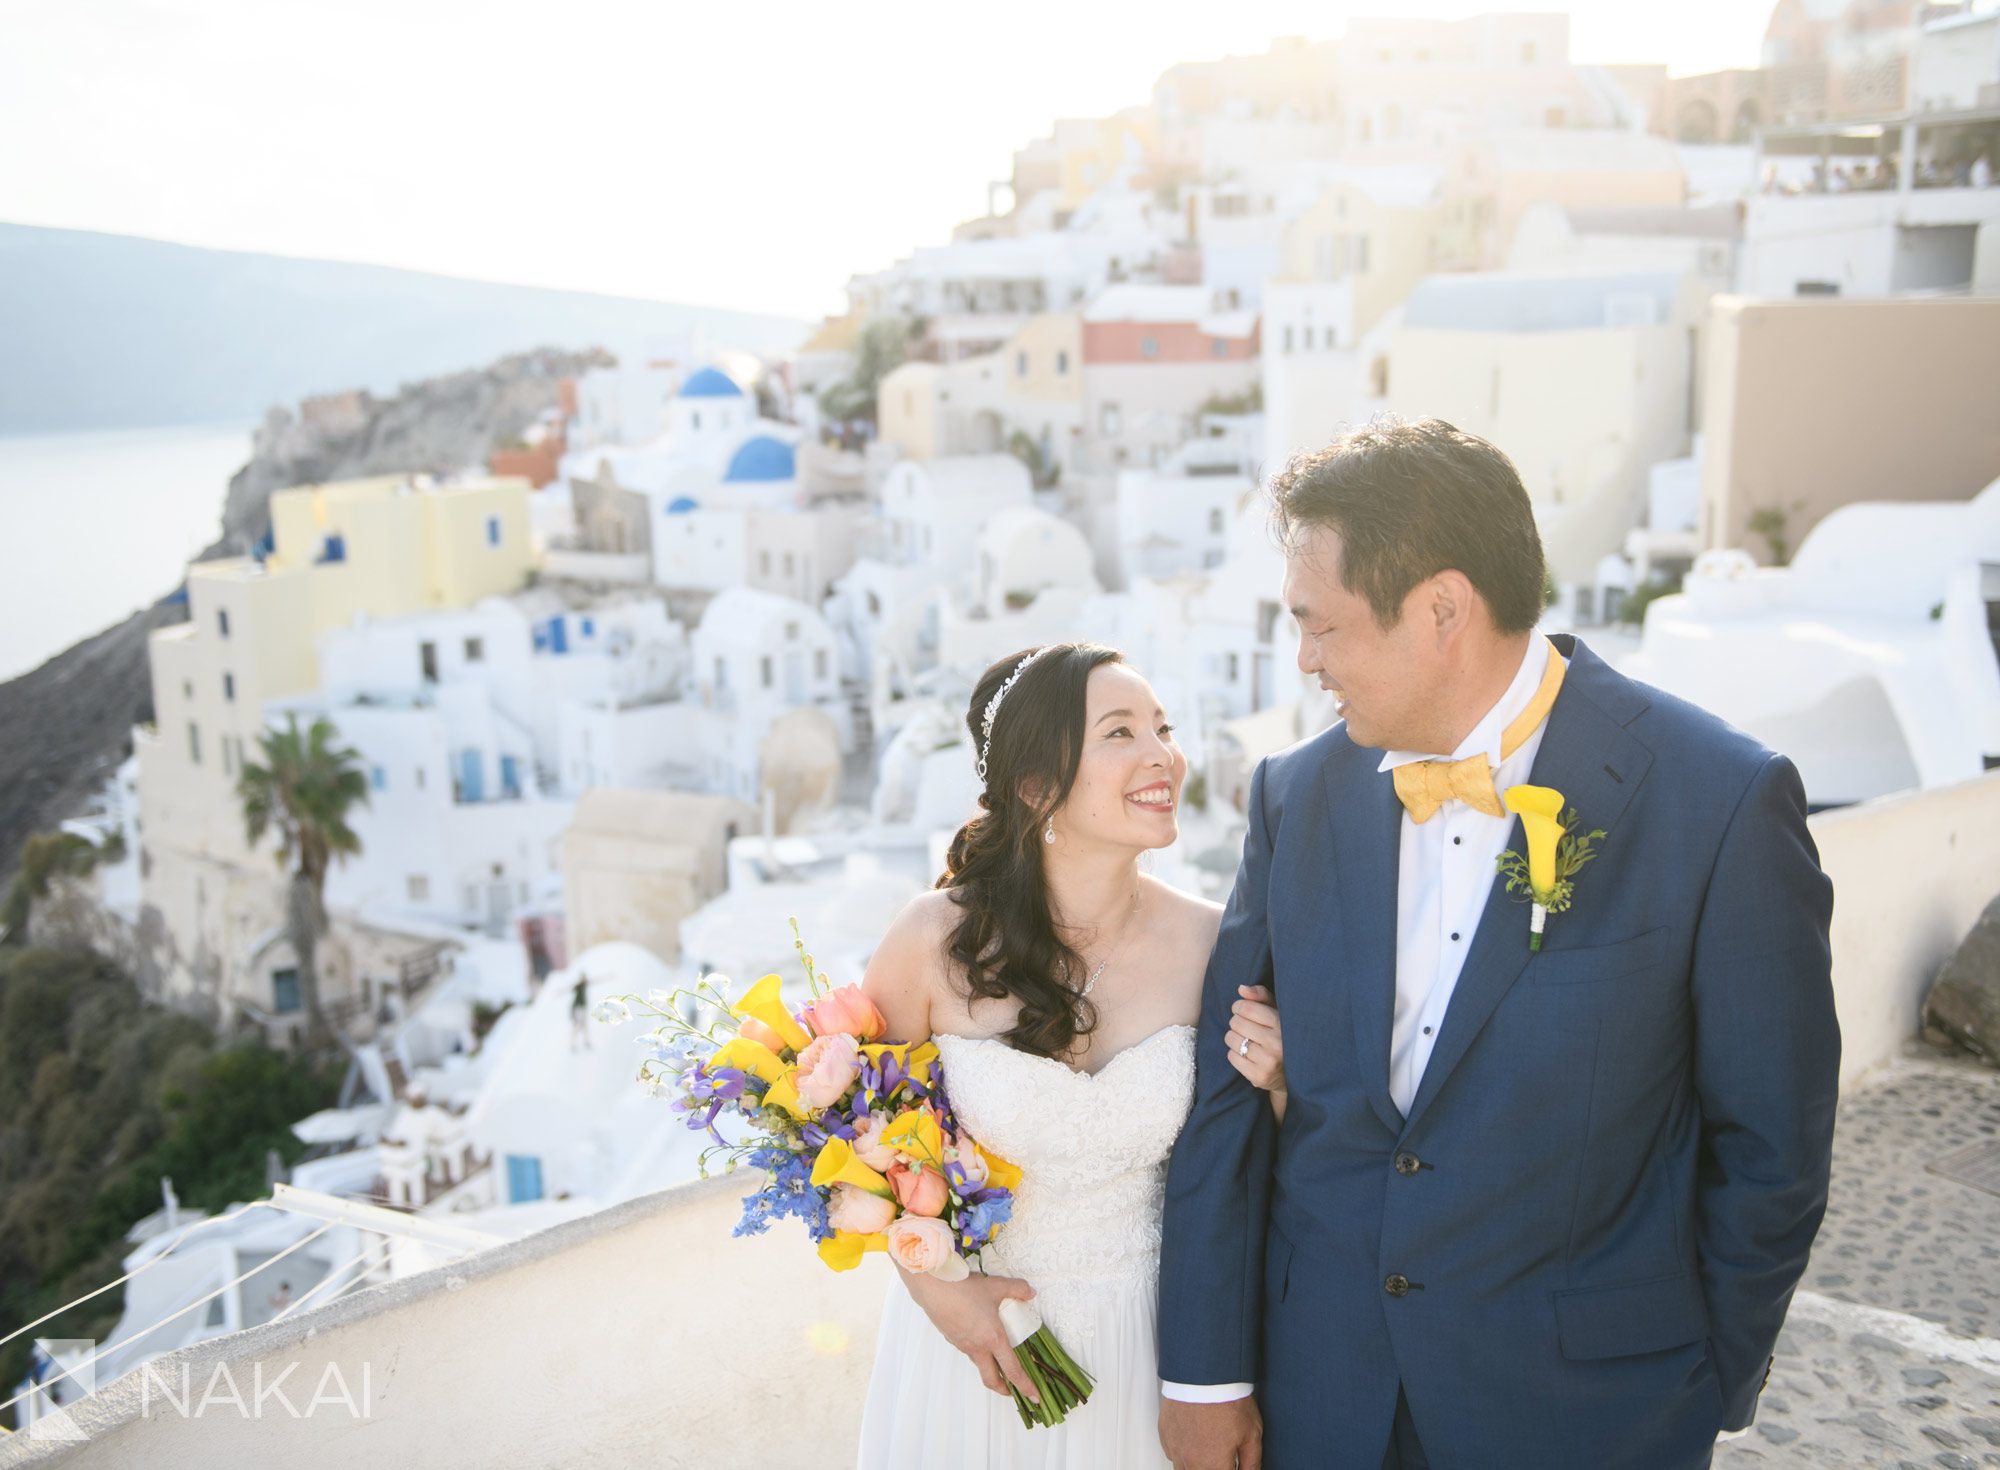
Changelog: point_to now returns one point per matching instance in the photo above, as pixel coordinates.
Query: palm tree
(302, 790)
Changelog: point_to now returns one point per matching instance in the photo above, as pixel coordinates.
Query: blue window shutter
(558, 635)
(510, 776)
(471, 776)
(493, 530)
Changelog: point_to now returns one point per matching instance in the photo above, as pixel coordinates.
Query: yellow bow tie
(1425, 786)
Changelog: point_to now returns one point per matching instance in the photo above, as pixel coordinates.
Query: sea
(94, 526)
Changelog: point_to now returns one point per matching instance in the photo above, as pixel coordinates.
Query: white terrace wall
(1910, 875)
(640, 1335)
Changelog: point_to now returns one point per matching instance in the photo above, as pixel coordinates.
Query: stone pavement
(1891, 1356)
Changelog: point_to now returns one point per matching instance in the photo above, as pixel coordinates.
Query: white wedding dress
(1085, 1233)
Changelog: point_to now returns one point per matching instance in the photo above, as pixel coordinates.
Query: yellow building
(1378, 234)
(1032, 384)
(1584, 382)
(383, 548)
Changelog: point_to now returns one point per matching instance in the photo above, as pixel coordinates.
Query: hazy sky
(728, 154)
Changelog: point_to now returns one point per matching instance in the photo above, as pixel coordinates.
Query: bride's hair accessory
(993, 707)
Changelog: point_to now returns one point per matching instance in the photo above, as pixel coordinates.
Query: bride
(1061, 985)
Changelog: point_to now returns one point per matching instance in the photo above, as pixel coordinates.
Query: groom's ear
(1451, 603)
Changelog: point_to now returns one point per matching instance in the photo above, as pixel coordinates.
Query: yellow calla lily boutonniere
(1547, 874)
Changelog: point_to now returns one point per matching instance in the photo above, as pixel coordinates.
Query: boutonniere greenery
(1555, 854)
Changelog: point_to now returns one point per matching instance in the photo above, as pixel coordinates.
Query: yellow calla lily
(999, 1172)
(1540, 811)
(922, 1063)
(844, 1249)
(784, 1095)
(750, 1056)
(837, 1164)
(764, 1003)
(915, 1132)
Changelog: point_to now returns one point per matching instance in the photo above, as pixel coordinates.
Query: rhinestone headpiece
(993, 707)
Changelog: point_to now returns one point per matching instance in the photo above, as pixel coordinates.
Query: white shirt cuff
(1207, 1393)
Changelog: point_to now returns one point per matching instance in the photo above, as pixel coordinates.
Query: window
(194, 742)
(1218, 347)
(1215, 522)
(418, 887)
(228, 768)
(1235, 668)
(819, 663)
(229, 686)
(187, 689)
(1149, 346)
(420, 778)
(1288, 336)
(493, 530)
(1062, 363)
(378, 779)
(791, 564)
(764, 670)
(1020, 364)
(694, 419)
(1107, 419)
(1307, 334)
(285, 991)
(475, 650)
(427, 658)
(791, 631)
(222, 621)
(590, 627)
(763, 563)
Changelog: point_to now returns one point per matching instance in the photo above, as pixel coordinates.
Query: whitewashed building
(1870, 660)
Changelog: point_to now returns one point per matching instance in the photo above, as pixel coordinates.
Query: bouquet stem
(1061, 1383)
(1057, 1378)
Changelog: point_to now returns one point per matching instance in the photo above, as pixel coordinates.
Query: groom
(1527, 1210)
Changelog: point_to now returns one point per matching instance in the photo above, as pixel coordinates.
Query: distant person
(579, 1017)
(281, 1298)
(1980, 175)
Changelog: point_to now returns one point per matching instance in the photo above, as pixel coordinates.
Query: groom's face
(1379, 676)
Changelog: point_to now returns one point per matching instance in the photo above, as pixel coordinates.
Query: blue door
(524, 1178)
(558, 636)
(471, 776)
(510, 776)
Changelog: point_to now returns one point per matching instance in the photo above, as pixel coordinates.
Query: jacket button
(1407, 1164)
(1398, 1285)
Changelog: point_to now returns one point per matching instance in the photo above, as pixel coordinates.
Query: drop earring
(1049, 832)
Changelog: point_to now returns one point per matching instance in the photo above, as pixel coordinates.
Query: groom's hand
(1228, 1436)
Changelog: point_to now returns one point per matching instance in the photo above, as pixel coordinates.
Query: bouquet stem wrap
(1061, 1383)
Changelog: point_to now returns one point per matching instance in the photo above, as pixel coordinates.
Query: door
(524, 1178)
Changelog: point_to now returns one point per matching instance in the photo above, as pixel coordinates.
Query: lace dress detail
(1085, 1233)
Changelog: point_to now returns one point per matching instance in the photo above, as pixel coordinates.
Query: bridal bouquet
(854, 1135)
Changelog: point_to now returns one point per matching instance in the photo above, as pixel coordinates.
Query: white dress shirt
(1445, 870)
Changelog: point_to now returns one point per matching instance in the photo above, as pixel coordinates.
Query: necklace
(1091, 984)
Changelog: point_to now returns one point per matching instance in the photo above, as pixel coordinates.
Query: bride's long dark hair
(1005, 943)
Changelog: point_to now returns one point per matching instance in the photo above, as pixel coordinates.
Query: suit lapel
(1367, 836)
(1588, 756)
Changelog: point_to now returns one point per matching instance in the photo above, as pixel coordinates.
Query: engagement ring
(1244, 1049)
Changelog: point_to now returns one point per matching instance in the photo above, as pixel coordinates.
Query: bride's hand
(967, 1313)
(1255, 1017)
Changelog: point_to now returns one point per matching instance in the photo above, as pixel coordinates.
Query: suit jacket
(1579, 1246)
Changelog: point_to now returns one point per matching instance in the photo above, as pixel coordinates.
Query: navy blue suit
(1577, 1249)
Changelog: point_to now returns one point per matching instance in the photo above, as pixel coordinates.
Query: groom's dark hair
(1411, 498)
